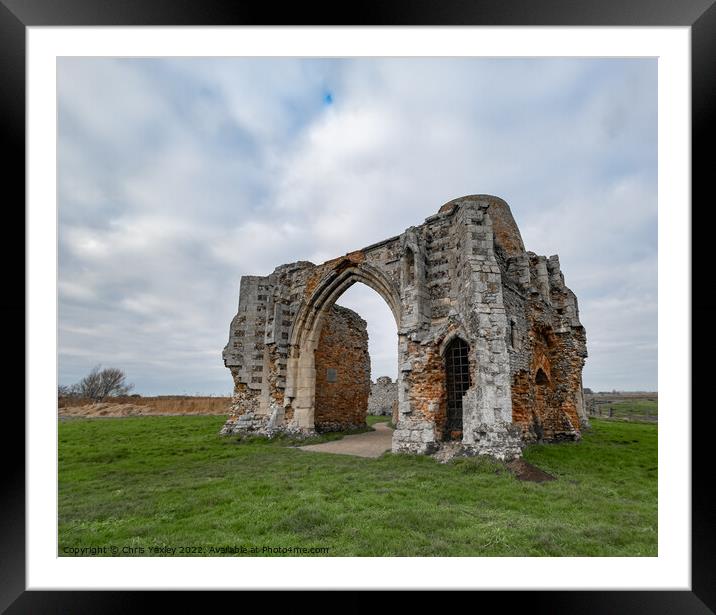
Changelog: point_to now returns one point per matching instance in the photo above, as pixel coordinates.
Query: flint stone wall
(383, 400)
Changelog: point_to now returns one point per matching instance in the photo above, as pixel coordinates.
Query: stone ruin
(490, 346)
(383, 400)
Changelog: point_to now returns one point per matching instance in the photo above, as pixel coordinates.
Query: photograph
(384, 305)
(357, 306)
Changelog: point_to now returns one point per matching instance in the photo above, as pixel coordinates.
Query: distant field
(634, 407)
(167, 482)
(642, 407)
(165, 404)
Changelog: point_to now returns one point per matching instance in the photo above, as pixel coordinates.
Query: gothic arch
(331, 287)
(458, 333)
(306, 329)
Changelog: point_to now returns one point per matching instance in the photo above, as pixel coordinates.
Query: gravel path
(368, 444)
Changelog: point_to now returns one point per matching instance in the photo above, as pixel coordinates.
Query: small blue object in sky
(328, 98)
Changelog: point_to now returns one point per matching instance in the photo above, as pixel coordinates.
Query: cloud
(178, 176)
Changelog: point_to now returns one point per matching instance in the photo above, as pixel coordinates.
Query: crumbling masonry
(490, 347)
(383, 399)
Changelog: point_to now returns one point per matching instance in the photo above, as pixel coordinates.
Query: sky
(176, 176)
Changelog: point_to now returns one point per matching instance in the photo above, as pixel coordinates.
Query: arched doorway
(306, 331)
(457, 382)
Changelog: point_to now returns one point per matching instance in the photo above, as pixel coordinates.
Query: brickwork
(342, 372)
(548, 353)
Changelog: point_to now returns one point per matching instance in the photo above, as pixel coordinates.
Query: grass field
(632, 408)
(372, 420)
(172, 482)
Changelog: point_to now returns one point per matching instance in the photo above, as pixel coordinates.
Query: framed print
(171, 151)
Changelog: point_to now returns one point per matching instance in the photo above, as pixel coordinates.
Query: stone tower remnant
(383, 400)
(490, 346)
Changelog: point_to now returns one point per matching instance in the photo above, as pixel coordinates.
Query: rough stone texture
(546, 369)
(339, 405)
(383, 400)
(463, 273)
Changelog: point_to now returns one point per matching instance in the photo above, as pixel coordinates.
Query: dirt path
(368, 444)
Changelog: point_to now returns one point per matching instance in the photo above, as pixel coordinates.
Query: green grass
(632, 408)
(372, 420)
(172, 481)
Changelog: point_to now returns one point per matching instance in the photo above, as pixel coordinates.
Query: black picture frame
(699, 15)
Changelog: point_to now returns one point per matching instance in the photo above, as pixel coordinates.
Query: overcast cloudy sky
(178, 176)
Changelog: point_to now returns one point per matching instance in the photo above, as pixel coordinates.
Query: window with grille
(457, 380)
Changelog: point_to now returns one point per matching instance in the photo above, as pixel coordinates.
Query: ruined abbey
(490, 346)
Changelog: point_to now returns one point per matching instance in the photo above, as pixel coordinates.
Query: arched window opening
(457, 382)
(514, 338)
(541, 377)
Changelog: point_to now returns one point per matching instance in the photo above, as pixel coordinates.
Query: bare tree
(68, 390)
(114, 382)
(90, 384)
(101, 383)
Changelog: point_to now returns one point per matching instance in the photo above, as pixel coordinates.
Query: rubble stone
(383, 400)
